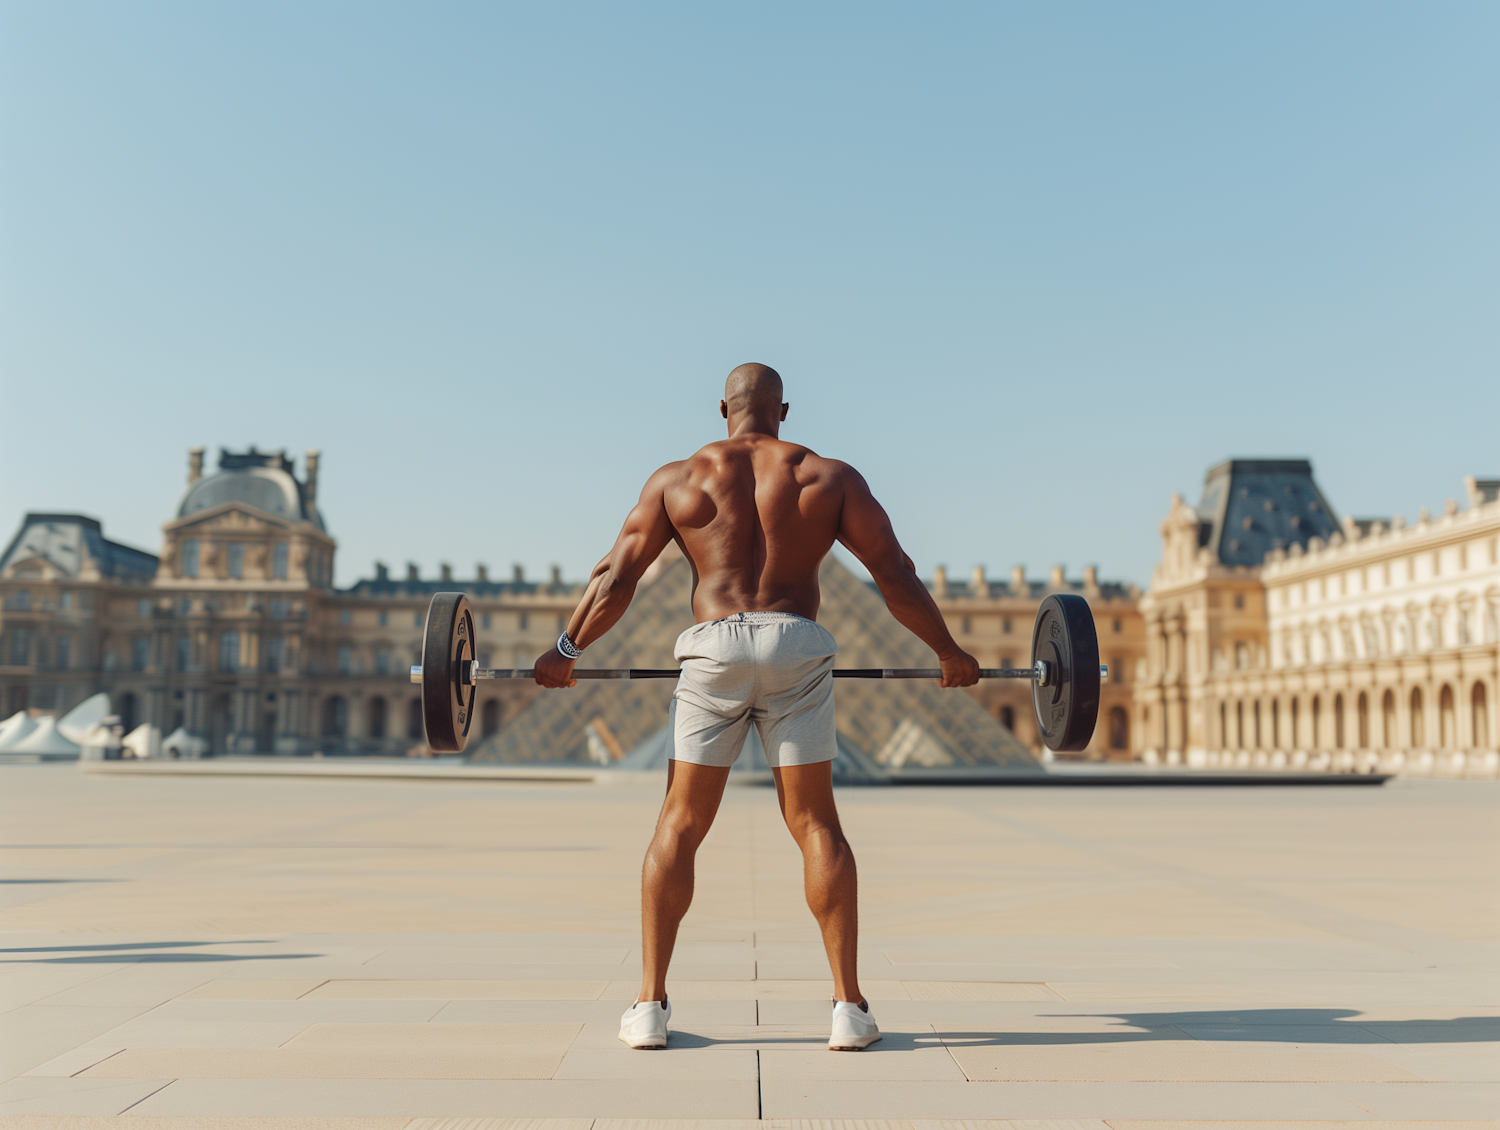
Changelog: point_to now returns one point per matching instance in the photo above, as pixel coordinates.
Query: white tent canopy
(45, 740)
(76, 723)
(184, 743)
(15, 728)
(144, 741)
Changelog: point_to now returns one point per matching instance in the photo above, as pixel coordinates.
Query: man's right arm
(612, 584)
(865, 530)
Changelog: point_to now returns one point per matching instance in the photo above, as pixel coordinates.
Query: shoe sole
(643, 1047)
(859, 1043)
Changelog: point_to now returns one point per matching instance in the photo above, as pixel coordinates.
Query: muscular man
(755, 516)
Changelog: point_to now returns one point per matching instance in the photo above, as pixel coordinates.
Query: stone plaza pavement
(419, 955)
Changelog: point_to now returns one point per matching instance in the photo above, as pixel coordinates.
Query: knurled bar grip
(1039, 673)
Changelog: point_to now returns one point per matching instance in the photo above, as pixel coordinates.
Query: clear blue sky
(1031, 267)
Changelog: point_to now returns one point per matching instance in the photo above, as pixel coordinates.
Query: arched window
(1447, 731)
(1317, 718)
(1008, 718)
(1119, 728)
(376, 711)
(1479, 716)
(1338, 721)
(1418, 729)
(489, 718)
(335, 716)
(1388, 720)
(414, 729)
(1363, 710)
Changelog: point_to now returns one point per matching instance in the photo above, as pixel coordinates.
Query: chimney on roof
(411, 571)
(1091, 580)
(1481, 491)
(382, 572)
(447, 571)
(940, 581)
(557, 574)
(310, 488)
(1057, 581)
(195, 464)
(518, 574)
(1018, 580)
(482, 573)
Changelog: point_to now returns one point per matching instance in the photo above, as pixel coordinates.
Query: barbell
(1065, 672)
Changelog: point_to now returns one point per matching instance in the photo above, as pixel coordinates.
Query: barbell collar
(1041, 673)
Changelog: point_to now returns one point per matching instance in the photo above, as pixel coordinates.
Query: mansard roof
(69, 541)
(397, 588)
(1252, 506)
(262, 479)
(1027, 590)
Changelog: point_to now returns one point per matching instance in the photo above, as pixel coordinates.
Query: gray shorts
(770, 669)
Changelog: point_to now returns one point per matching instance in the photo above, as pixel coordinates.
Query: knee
(678, 832)
(817, 837)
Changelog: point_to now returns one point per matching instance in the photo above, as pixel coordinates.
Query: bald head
(752, 400)
(753, 388)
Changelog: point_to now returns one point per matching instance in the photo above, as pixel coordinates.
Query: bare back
(755, 516)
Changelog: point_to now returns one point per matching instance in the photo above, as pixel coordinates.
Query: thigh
(805, 793)
(693, 796)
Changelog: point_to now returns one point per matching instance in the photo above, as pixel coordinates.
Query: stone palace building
(236, 633)
(1274, 632)
(1279, 634)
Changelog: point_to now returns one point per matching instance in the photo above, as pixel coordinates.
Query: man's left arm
(612, 584)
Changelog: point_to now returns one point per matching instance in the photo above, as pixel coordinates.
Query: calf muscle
(667, 876)
(829, 874)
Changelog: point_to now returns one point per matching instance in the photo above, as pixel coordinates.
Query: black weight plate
(447, 704)
(1064, 636)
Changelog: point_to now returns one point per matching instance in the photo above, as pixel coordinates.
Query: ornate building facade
(237, 634)
(1280, 635)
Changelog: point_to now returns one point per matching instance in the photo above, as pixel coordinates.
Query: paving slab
(569, 1098)
(361, 954)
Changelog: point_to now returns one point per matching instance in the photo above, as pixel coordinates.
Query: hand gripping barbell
(1065, 672)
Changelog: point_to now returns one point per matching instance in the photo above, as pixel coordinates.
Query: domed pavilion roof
(260, 479)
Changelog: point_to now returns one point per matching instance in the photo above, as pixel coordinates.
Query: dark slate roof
(63, 539)
(1252, 506)
(1029, 590)
(475, 590)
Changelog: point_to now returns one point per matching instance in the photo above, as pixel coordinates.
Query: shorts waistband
(762, 618)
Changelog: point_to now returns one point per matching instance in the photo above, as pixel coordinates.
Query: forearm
(913, 607)
(603, 603)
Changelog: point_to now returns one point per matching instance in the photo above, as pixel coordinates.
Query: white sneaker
(853, 1027)
(644, 1024)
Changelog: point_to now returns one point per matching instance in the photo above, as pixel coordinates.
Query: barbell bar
(1065, 672)
(1042, 673)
